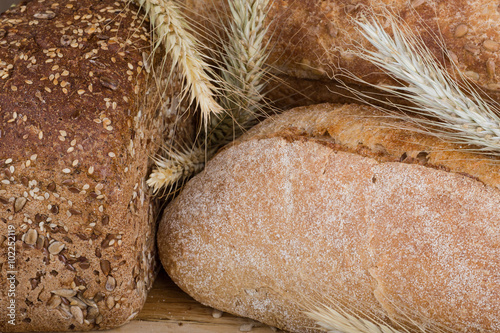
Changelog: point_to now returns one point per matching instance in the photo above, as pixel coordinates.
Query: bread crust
(312, 39)
(316, 206)
(75, 142)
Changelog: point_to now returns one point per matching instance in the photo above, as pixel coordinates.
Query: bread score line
(334, 203)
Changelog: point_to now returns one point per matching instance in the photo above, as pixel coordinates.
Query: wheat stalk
(172, 31)
(463, 115)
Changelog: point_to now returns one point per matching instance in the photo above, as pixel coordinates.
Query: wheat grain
(463, 115)
(182, 47)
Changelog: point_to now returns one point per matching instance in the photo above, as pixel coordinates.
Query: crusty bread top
(316, 205)
(75, 142)
(370, 132)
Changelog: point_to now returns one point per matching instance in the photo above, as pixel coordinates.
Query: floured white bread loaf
(77, 225)
(331, 204)
(314, 39)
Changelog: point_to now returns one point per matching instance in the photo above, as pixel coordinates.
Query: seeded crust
(312, 39)
(75, 139)
(330, 204)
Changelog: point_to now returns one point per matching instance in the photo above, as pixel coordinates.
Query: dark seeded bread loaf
(313, 39)
(76, 134)
(332, 204)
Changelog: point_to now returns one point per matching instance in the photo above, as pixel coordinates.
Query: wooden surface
(169, 310)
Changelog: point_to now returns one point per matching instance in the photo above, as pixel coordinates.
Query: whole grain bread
(337, 205)
(312, 39)
(78, 127)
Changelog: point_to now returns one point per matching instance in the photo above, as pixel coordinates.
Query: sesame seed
(109, 128)
(101, 208)
(14, 88)
(63, 133)
(70, 149)
(91, 170)
(111, 154)
(28, 81)
(65, 73)
(40, 135)
(81, 92)
(130, 66)
(33, 157)
(28, 163)
(9, 160)
(66, 170)
(75, 163)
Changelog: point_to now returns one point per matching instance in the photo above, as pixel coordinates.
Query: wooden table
(169, 310)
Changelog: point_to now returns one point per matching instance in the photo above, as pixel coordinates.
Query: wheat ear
(175, 167)
(172, 31)
(243, 61)
(242, 71)
(335, 319)
(463, 115)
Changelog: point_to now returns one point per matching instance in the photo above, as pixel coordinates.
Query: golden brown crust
(312, 39)
(75, 142)
(316, 205)
(369, 132)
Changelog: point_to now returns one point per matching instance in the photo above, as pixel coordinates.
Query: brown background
(5, 4)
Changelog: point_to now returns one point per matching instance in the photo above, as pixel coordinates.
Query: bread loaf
(336, 205)
(76, 134)
(314, 39)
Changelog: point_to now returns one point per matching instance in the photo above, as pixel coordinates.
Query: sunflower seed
(110, 283)
(56, 247)
(45, 16)
(54, 302)
(108, 82)
(110, 302)
(64, 292)
(105, 267)
(19, 204)
(77, 313)
(31, 237)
